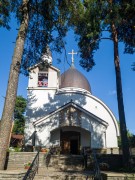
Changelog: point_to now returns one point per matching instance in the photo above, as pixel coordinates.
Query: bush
(104, 166)
(14, 149)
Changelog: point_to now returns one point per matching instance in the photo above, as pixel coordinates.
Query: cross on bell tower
(72, 56)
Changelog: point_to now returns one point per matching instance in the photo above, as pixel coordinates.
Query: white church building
(62, 111)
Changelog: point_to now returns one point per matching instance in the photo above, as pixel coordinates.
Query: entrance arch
(71, 139)
(70, 142)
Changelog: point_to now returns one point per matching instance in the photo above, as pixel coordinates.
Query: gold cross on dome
(72, 56)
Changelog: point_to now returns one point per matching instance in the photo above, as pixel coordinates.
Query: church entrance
(70, 142)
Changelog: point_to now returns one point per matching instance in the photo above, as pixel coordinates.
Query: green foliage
(104, 166)
(49, 22)
(116, 17)
(48, 25)
(98, 17)
(27, 164)
(131, 140)
(14, 149)
(133, 66)
(4, 13)
(19, 115)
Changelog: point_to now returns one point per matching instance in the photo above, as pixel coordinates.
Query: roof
(17, 136)
(40, 63)
(73, 78)
(103, 122)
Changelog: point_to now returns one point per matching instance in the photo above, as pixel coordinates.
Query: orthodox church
(62, 111)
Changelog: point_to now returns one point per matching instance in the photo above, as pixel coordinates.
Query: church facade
(62, 111)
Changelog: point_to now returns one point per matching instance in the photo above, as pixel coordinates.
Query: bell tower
(43, 75)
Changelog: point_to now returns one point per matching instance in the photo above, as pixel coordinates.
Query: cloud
(111, 93)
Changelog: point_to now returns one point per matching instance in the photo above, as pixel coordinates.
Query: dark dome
(73, 78)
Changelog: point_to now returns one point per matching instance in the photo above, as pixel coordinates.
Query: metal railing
(33, 169)
(97, 173)
(48, 157)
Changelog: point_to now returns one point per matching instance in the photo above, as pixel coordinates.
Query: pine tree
(7, 115)
(19, 117)
(116, 17)
(4, 13)
(41, 23)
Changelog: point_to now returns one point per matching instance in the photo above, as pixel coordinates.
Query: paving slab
(117, 175)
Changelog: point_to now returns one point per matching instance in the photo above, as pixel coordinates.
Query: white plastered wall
(96, 130)
(52, 78)
(92, 131)
(42, 102)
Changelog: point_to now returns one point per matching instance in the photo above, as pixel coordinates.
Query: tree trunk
(123, 128)
(8, 111)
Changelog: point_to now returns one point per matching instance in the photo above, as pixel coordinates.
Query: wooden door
(65, 146)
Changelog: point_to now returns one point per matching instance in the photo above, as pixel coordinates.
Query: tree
(8, 111)
(41, 24)
(116, 17)
(19, 118)
(131, 140)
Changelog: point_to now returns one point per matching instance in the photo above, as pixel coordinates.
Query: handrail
(97, 173)
(48, 157)
(33, 169)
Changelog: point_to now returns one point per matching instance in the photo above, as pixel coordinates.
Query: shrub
(104, 166)
(14, 149)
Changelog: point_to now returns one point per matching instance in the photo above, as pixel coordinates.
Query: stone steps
(63, 177)
(67, 162)
(60, 168)
(63, 167)
(12, 175)
(16, 160)
(52, 173)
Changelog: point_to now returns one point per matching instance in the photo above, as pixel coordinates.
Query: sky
(101, 77)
